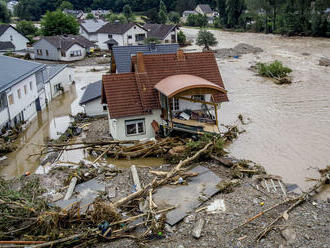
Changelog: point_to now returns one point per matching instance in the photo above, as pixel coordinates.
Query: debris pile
(324, 62)
(237, 51)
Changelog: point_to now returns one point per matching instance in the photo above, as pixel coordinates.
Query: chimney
(140, 62)
(180, 55)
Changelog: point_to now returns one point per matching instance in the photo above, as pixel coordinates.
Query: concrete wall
(27, 101)
(118, 128)
(75, 47)
(15, 37)
(53, 53)
(95, 108)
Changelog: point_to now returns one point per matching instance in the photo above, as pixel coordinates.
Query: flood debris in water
(237, 51)
(324, 62)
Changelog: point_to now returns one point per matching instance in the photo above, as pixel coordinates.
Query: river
(289, 128)
(289, 131)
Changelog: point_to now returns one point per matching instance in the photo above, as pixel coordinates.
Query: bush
(273, 70)
(181, 38)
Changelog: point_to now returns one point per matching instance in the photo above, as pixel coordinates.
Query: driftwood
(135, 176)
(297, 201)
(156, 183)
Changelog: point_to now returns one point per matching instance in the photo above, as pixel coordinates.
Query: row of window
(72, 53)
(39, 52)
(19, 94)
(138, 37)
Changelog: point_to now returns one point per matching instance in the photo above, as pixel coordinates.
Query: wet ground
(49, 124)
(289, 133)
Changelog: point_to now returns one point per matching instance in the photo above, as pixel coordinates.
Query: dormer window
(110, 36)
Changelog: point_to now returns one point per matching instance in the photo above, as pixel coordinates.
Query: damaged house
(164, 92)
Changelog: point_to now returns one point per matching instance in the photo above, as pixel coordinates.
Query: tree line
(290, 17)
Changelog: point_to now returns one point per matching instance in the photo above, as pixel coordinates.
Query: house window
(47, 54)
(199, 97)
(167, 41)
(11, 99)
(76, 53)
(135, 127)
(39, 52)
(3, 101)
(173, 38)
(70, 78)
(140, 37)
(104, 107)
(31, 85)
(11, 38)
(19, 93)
(129, 37)
(25, 89)
(175, 104)
(110, 36)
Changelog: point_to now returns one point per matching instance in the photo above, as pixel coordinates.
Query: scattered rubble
(237, 51)
(324, 62)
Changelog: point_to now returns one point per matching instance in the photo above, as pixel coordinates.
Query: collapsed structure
(164, 92)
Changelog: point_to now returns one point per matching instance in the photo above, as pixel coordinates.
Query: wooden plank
(71, 188)
(193, 100)
(136, 179)
(197, 231)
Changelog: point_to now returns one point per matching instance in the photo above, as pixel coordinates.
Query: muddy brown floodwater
(289, 132)
(49, 123)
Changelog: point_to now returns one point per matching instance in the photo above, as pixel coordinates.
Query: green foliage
(182, 5)
(198, 20)
(162, 14)
(27, 28)
(57, 23)
(112, 18)
(174, 17)
(127, 11)
(206, 39)
(90, 16)
(66, 5)
(273, 70)
(181, 38)
(217, 22)
(234, 9)
(4, 13)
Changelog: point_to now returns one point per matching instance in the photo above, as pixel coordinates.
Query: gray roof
(73, 12)
(159, 31)
(116, 28)
(64, 42)
(111, 42)
(205, 8)
(3, 28)
(6, 45)
(92, 92)
(14, 70)
(123, 54)
(92, 25)
(52, 70)
(189, 12)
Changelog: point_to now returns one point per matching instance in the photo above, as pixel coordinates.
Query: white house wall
(18, 40)
(4, 117)
(118, 128)
(75, 47)
(122, 39)
(95, 108)
(27, 101)
(168, 38)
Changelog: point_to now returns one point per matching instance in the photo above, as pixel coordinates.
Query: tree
(57, 23)
(234, 9)
(27, 28)
(182, 5)
(4, 13)
(127, 11)
(221, 5)
(181, 38)
(206, 39)
(90, 16)
(174, 17)
(66, 5)
(162, 14)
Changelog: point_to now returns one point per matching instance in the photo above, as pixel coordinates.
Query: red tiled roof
(134, 94)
